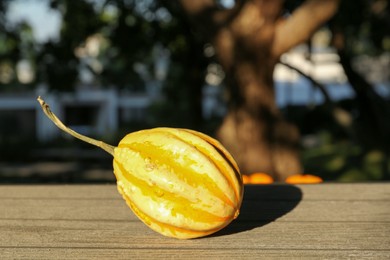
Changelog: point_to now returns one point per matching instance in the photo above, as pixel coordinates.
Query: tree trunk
(261, 143)
(254, 131)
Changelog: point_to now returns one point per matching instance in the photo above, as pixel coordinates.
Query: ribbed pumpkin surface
(179, 182)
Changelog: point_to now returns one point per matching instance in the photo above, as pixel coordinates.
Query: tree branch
(303, 22)
(315, 83)
(208, 16)
(342, 117)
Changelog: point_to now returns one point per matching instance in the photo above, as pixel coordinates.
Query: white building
(105, 109)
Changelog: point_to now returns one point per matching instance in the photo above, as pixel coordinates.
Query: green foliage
(16, 44)
(58, 64)
(343, 160)
(126, 33)
(365, 25)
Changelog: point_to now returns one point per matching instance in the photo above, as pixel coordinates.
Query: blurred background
(108, 68)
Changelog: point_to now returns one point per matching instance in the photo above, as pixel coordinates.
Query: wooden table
(326, 221)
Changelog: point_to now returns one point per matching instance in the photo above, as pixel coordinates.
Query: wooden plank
(116, 209)
(185, 253)
(103, 202)
(276, 221)
(326, 191)
(59, 191)
(283, 236)
(322, 192)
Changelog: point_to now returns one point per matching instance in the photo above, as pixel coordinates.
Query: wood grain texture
(339, 221)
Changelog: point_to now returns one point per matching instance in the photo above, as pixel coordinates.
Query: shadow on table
(263, 204)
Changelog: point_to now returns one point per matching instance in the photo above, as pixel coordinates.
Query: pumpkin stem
(106, 147)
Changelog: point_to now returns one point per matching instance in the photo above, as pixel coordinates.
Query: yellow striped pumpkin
(179, 182)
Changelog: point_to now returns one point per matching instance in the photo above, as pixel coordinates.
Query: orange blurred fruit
(303, 179)
(258, 178)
